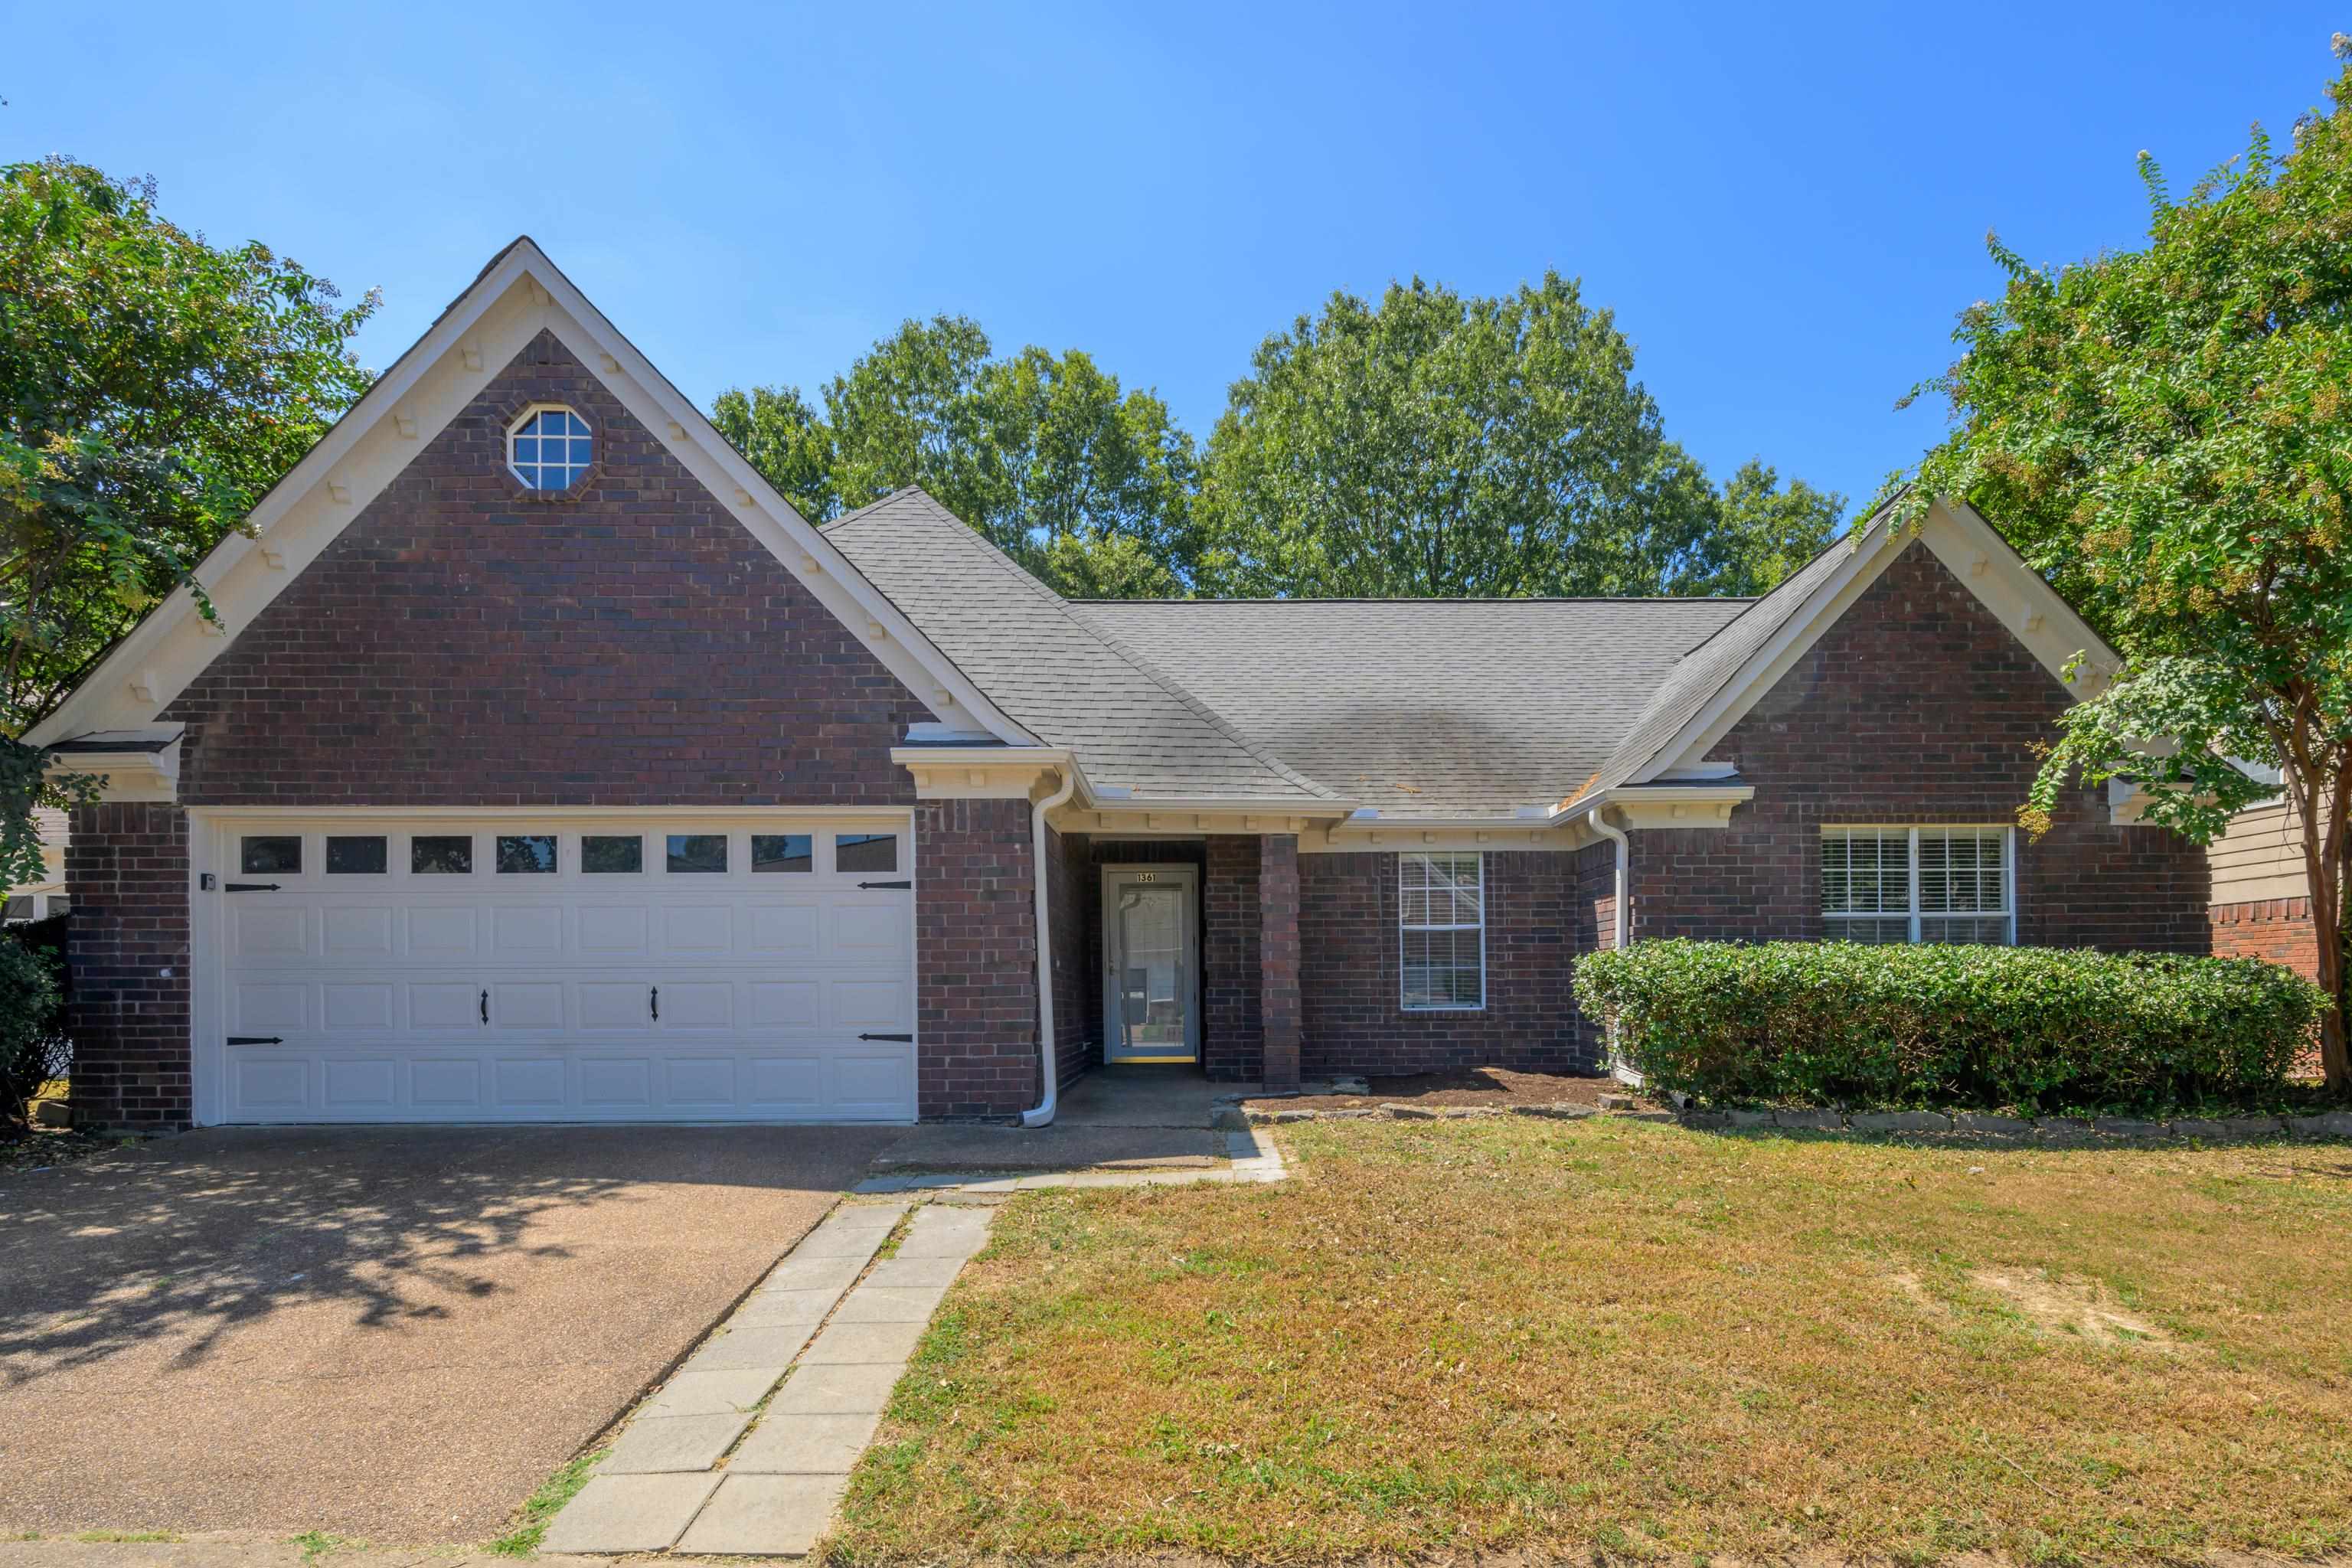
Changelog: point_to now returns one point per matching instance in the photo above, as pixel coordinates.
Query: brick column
(975, 959)
(1278, 956)
(127, 873)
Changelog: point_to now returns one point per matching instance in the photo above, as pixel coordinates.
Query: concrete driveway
(389, 1334)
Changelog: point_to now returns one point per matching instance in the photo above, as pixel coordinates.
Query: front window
(1919, 884)
(550, 449)
(1442, 920)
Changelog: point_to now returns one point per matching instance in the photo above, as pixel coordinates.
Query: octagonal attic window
(550, 449)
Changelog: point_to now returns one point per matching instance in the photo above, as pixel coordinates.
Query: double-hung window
(1442, 931)
(1919, 884)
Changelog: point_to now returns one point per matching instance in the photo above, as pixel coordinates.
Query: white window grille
(1920, 884)
(549, 449)
(1441, 934)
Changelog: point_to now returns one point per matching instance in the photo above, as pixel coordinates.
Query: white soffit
(412, 403)
(1969, 548)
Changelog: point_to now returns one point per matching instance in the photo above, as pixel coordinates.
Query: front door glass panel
(1149, 973)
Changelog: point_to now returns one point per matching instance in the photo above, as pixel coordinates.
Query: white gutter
(1043, 1115)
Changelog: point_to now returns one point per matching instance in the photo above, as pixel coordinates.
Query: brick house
(543, 764)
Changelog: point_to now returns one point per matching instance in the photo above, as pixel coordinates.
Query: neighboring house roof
(1053, 670)
(1428, 708)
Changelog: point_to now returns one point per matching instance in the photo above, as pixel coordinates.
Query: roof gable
(1713, 687)
(519, 294)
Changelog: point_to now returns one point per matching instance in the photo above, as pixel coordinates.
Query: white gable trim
(1973, 553)
(430, 385)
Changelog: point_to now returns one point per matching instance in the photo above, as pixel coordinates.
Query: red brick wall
(976, 954)
(1538, 920)
(127, 874)
(464, 643)
(1916, 707)
(1277, 957)
(2278, 930)
(1233, 1038)
(1069, 868)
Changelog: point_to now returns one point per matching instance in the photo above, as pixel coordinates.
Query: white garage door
(634, 968)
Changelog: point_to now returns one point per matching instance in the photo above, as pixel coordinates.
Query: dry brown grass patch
(1467, 1338)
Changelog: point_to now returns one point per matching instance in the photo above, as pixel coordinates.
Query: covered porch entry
(1179, 952)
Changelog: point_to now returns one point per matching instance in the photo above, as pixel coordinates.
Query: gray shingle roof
(1058, 674)
(1426, 707)
(1418, 708)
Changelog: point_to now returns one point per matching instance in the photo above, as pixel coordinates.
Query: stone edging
(2054, 1132)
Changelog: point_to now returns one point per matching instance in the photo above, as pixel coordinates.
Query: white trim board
(518, 295)
(1975, 554)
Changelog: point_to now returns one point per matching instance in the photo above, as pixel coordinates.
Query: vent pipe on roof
(1042, 1115)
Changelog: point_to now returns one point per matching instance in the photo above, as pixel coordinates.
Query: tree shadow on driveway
(382, 1332)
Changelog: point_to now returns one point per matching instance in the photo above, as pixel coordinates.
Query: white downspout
(1594, 820)
(1625, 918)
(1043, 1115)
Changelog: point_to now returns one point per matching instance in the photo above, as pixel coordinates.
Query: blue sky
(1785, 205)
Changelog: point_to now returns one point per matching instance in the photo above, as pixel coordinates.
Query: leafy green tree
(2166, 434)
(788, 441)
(1763, 531)
(1436, 445)
(1087, 485)
(151, 387)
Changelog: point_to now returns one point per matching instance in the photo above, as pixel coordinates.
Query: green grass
(553, 1493)
(317, 1543)
(147, 1537)
(1548, 1338)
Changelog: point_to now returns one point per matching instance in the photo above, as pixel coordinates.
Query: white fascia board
(411, 403)
(1669, 795)
(1975, 554)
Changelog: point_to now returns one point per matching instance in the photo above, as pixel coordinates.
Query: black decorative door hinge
(254, 1040)
(904, 1039)
(885, 884)
(249, 887)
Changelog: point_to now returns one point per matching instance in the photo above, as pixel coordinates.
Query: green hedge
(2035, 1030)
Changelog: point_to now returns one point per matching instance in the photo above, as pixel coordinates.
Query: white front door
(635, 966)
(1151, 972)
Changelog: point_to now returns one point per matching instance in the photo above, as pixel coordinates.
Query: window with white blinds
(1919, 884)
(1442, 936)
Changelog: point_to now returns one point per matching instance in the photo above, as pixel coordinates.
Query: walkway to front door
(1151, 969)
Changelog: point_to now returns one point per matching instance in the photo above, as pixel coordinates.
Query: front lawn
(1457, 1336)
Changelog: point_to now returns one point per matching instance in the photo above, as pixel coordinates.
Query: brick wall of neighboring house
(1069, 867)
(465, 642)
(976, 956)
(1538, 920)
(127, 875)
(2278, 930)
(1916, 707)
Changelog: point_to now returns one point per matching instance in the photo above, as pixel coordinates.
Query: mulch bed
(45, 1147)
(1497, 1088)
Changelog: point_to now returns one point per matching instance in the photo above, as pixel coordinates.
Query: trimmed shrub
(33, 1047)
(2033, 1029)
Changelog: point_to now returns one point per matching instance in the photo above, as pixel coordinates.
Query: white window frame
(1832, 921)
(514, 430)
(1405, 929)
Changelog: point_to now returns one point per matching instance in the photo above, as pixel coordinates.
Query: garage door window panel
(270, 856)
(441, 855)
(865, 852)
(698, 854)
(783, 852)
(358, 855)
(527, 854)
(603, 855)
